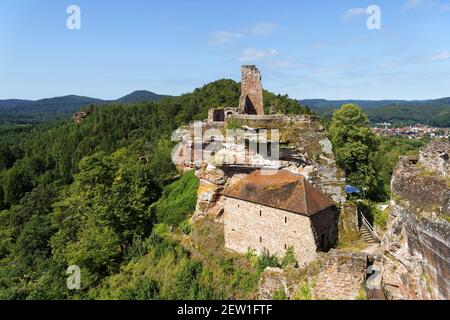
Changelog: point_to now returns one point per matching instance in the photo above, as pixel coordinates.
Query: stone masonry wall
(341, 276)
(245, 227)
(251, 100)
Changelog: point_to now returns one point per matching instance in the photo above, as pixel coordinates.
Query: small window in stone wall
(285, 246)
(260, 239)
(260, 213)
(285, 219)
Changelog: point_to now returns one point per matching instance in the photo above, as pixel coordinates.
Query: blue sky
(306, 48)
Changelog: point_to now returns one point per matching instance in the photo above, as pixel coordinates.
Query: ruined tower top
(251, 100)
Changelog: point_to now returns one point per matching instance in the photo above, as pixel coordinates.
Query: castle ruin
(296, 207)
(251, 100)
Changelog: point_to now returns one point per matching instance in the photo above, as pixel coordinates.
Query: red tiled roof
(283, 190)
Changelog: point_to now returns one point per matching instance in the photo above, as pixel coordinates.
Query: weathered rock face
(77, 117)
(435, 157)
(273, 280)
(416, 263)
(251, 100)
(208, 194)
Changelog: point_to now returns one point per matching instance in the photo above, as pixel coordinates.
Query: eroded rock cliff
(416, 263)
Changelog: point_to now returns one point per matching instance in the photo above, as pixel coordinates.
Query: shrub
(178, 200)
(381, 218)
(304, 291)
(137, 249)
(185, 227)
(267, 260)
(289, 258)
(279, 295)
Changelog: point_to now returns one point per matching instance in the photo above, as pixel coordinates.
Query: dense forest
(101, 194)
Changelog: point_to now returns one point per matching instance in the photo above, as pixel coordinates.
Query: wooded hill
(101, 194)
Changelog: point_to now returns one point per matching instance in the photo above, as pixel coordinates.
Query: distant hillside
(334, 104)
(15, 111)
(13, 102)
(141, 95)
(398, 112)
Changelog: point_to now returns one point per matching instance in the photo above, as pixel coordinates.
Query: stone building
(273, 212)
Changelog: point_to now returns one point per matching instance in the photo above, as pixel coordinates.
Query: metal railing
(369, 227)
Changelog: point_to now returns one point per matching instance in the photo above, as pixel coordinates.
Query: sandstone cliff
(416, 263)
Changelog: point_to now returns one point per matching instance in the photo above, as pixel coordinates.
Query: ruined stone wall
(248, 225)
(251, 100)
(336, 275)
(341, 276)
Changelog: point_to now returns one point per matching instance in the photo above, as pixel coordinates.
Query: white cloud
(250, 54)
(353, 13)
(221, 37)
(282, 64)
(426, 5)
(335, 68)
(259, 29)
(319, 45)
(441, 56)
(262, 29)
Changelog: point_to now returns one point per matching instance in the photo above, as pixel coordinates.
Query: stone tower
(251, 100)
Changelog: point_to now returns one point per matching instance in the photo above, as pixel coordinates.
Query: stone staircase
(367, 236)
(366, 231)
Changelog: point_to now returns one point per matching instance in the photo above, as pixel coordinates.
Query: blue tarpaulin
(351, 189)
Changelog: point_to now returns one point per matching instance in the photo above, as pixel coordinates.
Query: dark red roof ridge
(283, 190)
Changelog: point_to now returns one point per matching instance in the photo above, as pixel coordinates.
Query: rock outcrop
(77, 117)
(304, 148)
(416, 262)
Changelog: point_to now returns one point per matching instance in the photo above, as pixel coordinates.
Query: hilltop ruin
(303, 153)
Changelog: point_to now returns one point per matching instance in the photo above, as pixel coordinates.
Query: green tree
(96, 252)
(354, 145)
(32, 244)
